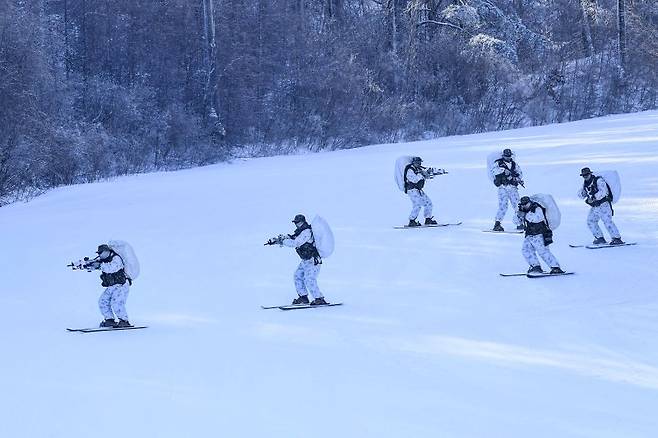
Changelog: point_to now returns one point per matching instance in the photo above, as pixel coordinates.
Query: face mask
(104, 255)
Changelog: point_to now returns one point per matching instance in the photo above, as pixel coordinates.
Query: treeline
(90, 88)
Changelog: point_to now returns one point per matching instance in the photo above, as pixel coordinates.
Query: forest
(92, 89)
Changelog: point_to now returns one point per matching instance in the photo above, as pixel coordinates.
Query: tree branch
(444, 23)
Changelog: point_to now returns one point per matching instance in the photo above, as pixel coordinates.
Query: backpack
(550, 209)
(130, 262)
(323, 236)
(400, 166)
(611, 178)
(491, 166)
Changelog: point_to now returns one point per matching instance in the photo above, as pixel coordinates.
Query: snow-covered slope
(431, 342)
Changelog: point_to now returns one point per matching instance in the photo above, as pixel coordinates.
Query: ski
(105, 329)
(504, 232)
(308, 306)
(609, 246)
(546, 274)
(605, 245)
(516, 274)
(428, 226)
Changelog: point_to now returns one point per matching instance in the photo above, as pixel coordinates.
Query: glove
(589, 200)
(507, 172)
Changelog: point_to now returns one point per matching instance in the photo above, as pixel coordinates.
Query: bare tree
(621, 34)
(587, 31)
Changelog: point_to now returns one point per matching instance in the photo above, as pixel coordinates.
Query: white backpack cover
(490, 163)
(553, 215)
(400, 164)
(324, 238)
(612, 178)
(127, 254)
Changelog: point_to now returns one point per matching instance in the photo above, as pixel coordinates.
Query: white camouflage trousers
(533, 245)
(508, 195)
(419, 200)
(602, 213)
(113, 302)
(306, 279)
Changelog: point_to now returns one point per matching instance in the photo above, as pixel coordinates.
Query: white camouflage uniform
(507, 194)
(418, 197)
(306, 274)
(602, 212)
(533, 245)
(113, 300)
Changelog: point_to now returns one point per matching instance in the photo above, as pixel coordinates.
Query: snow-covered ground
(431, 341)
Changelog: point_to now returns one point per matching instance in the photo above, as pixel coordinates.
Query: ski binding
(546, 274)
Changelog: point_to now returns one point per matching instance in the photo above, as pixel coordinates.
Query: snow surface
(431, 342)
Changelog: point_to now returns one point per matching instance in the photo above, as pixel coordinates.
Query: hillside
(431, 341)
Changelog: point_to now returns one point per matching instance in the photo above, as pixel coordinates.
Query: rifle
(514, 174)
(275, 240)
(86, 264)
(431, 172)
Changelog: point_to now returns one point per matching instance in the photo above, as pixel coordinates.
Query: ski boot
(535, 270)
(599, 241)
(430, 221)
(318, 302)
(498, 227)
(108, 322)
(413, 223)
(302, 299)
(616, 241)
(556, 270)
(123, 323)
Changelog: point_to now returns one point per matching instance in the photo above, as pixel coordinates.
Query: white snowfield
(431, 341)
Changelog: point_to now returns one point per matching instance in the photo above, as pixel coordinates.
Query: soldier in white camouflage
(597, 194)
(414, 182)
(306, 275)
(507, 176)
(538, 236)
